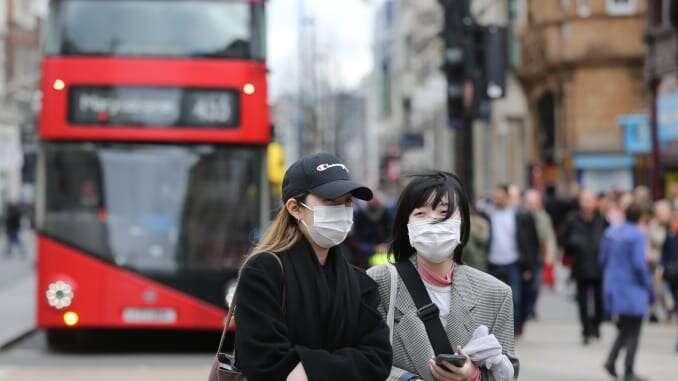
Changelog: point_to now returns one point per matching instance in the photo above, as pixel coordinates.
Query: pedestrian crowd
(448, 287)
(620, 247)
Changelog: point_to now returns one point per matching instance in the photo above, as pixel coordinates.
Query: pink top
(476, 375)
(431, 277)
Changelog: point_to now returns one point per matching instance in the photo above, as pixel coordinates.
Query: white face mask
(435, 241)
(331, 224)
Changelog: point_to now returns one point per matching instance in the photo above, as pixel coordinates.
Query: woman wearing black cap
(316, 317)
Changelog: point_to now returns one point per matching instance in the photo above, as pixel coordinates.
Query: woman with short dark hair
(468, 308)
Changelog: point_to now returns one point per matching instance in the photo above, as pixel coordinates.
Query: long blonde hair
(282, 234)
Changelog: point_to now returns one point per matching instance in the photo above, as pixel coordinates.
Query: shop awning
(603, 161)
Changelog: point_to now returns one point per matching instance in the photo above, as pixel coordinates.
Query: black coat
(581, 241)
(528, 241)
(267, 349)
(670, 258)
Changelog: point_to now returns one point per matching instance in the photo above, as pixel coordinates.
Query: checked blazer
(477, 299)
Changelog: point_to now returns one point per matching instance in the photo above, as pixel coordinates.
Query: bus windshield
(151, 208)
(157, 28)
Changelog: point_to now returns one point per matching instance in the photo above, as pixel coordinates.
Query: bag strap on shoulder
(234, 304)
(427, 311)
(390, 314)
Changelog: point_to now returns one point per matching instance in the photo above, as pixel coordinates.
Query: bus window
(181, 28)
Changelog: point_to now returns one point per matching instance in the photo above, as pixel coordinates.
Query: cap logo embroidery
(324, 167)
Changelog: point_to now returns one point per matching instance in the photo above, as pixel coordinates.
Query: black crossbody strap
(426, 310)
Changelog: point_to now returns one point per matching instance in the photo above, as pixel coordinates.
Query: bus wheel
(60, 339)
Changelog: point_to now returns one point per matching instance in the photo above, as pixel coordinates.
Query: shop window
(621, 7)
(658, 12)
(583, 8)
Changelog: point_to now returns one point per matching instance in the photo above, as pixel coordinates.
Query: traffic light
(458, 60)
(494, 59)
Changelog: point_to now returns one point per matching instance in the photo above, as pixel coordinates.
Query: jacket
(547, 235)
(581, 241)
(265, 350)
(527, 241)
(478, 299)
(627, 283)
(475, 251)
(670, 255)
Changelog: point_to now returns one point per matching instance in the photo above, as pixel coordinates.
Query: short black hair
(415, 195)
(634, 212)
(503, 187)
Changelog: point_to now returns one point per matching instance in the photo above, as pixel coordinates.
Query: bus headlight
(248, 89)
(59, 295)
(71, 318)
(230, 292)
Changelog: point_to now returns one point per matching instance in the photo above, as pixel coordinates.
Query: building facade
(582, 68)
(662, 78)
(502, 142)
(20, 33)
(407, 105)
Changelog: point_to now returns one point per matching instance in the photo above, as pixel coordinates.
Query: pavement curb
(19, 337)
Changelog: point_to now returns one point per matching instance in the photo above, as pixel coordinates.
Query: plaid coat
(477, 299)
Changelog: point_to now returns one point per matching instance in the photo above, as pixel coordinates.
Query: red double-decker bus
(151, 172)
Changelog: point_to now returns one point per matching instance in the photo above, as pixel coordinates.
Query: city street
(551, 349)
(17, 290)
(156, 153)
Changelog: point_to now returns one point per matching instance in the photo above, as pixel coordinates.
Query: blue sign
(637, 139)
(667, 117)
(603, 161)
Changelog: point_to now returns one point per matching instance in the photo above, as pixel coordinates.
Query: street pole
(301, 112)
(461, 70)
(656, 152)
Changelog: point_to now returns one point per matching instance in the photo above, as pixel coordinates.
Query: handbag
(223, 367)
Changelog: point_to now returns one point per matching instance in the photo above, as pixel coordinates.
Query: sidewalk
(17, 316)
(552, 350)
(17, 291)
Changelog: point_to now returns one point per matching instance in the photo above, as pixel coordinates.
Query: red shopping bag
(548, 277)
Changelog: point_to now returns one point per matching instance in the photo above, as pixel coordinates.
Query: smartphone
(454, 359)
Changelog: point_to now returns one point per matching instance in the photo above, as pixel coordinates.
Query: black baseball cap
(323, 175)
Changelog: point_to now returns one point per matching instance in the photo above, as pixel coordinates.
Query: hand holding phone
(457, 360)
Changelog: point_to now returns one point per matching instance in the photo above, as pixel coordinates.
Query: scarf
(431, 277)
(322, 302)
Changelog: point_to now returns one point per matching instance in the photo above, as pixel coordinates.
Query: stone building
(662, 77)
(502, 142)
(582, 68)
(407, 101)
(20, 55)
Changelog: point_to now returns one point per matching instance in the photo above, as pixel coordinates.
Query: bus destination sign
(153, 107)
